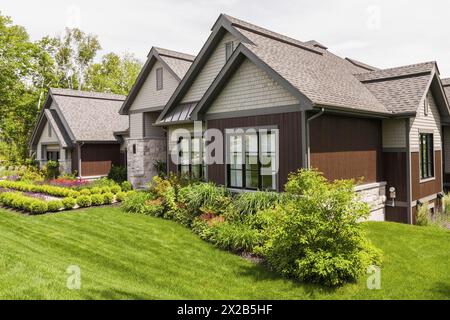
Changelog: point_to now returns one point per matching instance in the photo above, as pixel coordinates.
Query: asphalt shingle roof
(91, 116)
(446, 84)
(177, 61)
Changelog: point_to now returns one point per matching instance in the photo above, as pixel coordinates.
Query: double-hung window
(191, 157)
(426, 156)
(252, 159)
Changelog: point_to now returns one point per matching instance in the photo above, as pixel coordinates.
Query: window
(229, 47)
(426, 156)
(52, 155)
(134, 149)
(159, 79)
(426, 106)
(251, 161)
(49, 130)
(191, 157)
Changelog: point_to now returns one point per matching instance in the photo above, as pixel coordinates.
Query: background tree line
(28, 68)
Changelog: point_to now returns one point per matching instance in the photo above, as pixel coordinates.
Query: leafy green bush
(318, 238)
(95, 190)
(126, 186)
(52, 169)
(54, 205)
(135, 202)
(120, 196)
(423, 215)
(115, 189)
(30, 187)
(108, 198)
(30, 174)
(118, 174)
(38, 207)
(248, 203)
(84, 201)
(69, 203)
(85, 192)
(105, 190)
(204, 197)
(97, 199)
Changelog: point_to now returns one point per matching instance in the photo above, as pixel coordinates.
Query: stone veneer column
(141, 167)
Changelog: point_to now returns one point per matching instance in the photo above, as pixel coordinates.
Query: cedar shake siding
(346, 148)
(289, 125)
(97, 159)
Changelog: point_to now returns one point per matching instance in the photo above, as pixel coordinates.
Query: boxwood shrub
(84, 201)
(97, 199)
(54, 205)
(69, 203)
(108, 198)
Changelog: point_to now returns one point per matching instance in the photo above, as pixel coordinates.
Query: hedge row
(57, 191)
(19, 201)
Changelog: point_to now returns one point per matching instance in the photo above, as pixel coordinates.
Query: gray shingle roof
(364, 66)
(177, 61)
(91, 116)
(446, 84)
(324, 78)
(384, 74)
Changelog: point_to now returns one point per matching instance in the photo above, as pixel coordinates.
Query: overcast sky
(379, 32)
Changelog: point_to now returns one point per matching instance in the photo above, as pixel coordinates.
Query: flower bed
(311, 232)
(38, 199)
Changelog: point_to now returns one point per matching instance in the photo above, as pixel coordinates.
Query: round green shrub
(85, 192)
(108, 198)
(126, 186)
(105, 190)
(84, 201)
(96, 190)
(116, 189)
(73, 194)
(54, 205)
(120, 196)
(97, 199)
(38, 207)
(69, 203)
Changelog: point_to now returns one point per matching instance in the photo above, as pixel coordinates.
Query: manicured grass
(125, 256)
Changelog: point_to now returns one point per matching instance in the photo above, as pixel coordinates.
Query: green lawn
(125, 256)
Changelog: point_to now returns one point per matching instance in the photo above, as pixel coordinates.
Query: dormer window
(159, 79)
(426, 106)
(229, 47)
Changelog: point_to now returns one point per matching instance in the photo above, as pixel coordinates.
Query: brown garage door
(97, 159)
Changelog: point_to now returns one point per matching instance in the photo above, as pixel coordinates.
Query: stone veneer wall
(141, 168)
(375, 195)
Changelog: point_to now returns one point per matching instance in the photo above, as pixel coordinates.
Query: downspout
(408, 173)
(308, 150)
(79, 145)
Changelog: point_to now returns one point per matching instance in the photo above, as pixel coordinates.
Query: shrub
(116, 189)
(252, 202)
(318, 238)
(30, 174)
(38, 207)
(85, 192)
(126, 186)
(204, 197)
(105, 190)
(161, 168)
(422, 215)
(120, 196)
(52, 169)
(54, 205)
(69, 203)
(97, 199)
(96, 190)
(154, 208)
(136, 202)
(118, 174)
(108, 198)
(84, 201)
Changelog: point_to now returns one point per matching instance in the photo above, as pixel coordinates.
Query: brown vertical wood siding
(289, 125)
(396, 214)
(97, 159)
(75, 160)
(346, 148)
(394, 167)
(422, 190)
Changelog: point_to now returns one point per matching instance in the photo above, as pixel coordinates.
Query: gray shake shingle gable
(320, 78)
(177, 64)
(446, 84)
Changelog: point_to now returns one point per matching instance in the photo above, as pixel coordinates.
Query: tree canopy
(29, 68)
